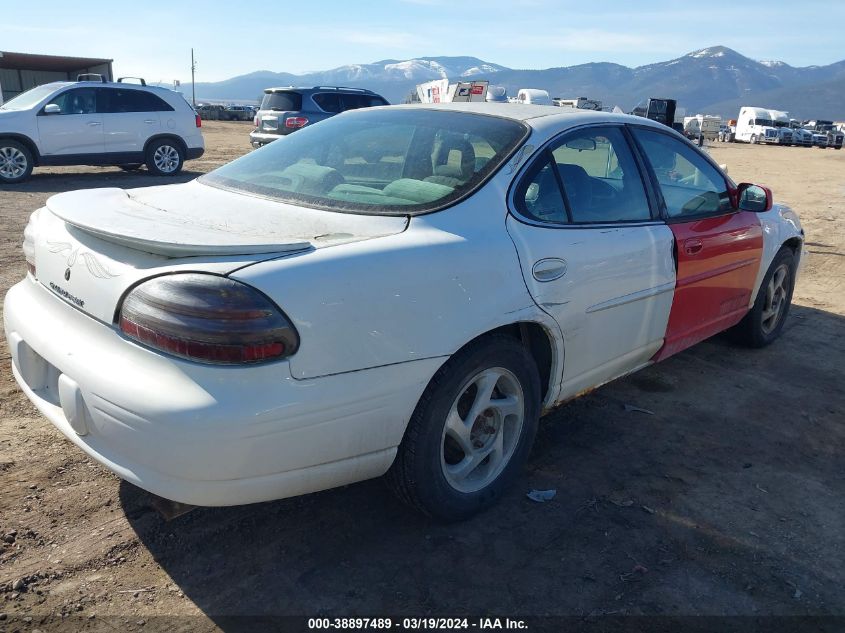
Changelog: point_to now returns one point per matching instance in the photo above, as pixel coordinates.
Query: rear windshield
(390, 161)
(282, 101)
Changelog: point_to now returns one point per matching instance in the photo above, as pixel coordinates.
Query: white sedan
(400, 290)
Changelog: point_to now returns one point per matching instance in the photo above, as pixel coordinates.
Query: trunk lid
(92, 246)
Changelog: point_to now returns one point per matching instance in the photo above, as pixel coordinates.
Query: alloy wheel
(482, 429)
(13, 163)
(776, 299)
(166, 158)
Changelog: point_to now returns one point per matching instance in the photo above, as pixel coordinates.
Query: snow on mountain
(417, 69)
(716, 51)
(481, 70)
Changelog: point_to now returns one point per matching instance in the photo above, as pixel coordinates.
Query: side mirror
(754, 198)
(52, 108)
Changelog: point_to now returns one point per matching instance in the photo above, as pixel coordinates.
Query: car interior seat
(446, 172)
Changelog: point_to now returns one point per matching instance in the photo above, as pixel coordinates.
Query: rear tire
(165, 157)
(764, 322)
(471, 432)
(15, 162)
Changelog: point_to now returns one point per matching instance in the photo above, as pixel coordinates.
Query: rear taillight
(207, 318)
(29, 245)
(255, 120)
(296, 121)
(198, 120)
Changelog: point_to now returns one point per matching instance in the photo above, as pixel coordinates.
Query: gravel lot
(726, 499)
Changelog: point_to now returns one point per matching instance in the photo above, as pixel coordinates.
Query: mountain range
(714, 80)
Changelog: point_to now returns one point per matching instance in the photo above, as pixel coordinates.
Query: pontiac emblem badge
(67, 274)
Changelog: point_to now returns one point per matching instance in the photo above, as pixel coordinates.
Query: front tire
(764, 322)
(471, 432)
(165, 157)
(15, 162)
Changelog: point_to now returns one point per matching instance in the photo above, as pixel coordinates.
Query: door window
(601, 181)
(76, 101)
(690, 185)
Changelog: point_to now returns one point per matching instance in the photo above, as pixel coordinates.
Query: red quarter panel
(718, 259)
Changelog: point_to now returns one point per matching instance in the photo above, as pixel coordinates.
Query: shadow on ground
(68, 180)
(724, 499)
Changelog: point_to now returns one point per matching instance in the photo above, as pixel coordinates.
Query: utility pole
(193, 89)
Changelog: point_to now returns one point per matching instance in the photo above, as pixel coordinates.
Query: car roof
(365, 91)
(107, 84)
(536, 115)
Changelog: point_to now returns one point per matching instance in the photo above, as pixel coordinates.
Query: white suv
(97, 123)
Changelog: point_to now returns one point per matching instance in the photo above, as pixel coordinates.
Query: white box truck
(705, 124)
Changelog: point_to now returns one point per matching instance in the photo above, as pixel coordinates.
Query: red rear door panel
(718, 259)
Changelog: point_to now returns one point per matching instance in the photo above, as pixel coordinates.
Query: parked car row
(218, 112)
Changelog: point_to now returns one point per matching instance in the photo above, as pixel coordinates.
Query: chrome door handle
(94, 123)
(549, 269)
(149, 120)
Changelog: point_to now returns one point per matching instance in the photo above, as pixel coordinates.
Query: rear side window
(539, 196)
(117, 100)
(690, 185)
(355, 101)
(282, 101)
(328, 102)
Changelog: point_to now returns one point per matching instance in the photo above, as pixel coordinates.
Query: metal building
(21, 71)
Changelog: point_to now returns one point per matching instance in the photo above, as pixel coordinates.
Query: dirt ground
(727, 499)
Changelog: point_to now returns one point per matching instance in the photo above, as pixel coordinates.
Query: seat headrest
(456, 142)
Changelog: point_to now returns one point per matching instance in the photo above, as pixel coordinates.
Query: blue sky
(153, 38)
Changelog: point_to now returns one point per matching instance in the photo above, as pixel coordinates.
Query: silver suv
(285, 110)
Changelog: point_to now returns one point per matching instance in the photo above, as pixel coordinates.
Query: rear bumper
(202, 434)
(194, 152)
(258, 139)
